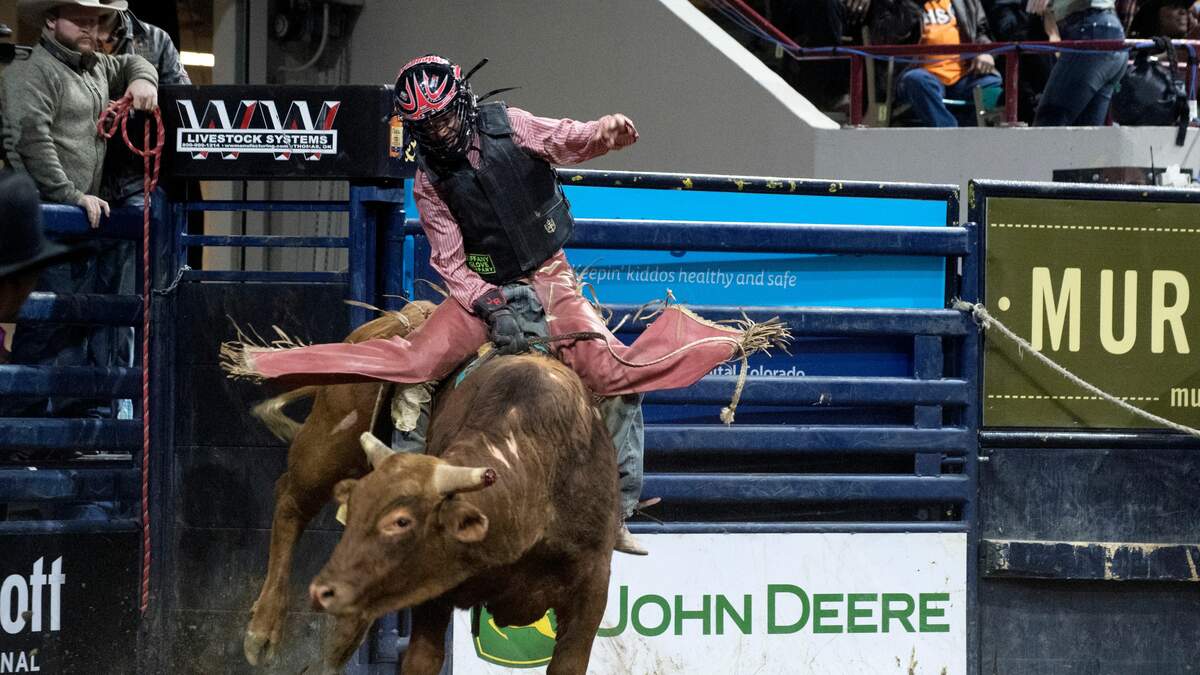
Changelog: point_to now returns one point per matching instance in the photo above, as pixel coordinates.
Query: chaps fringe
(237, 356)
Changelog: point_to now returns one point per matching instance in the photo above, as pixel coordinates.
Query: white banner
(762, 603)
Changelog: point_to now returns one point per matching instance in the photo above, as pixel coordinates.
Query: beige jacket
(51, 104)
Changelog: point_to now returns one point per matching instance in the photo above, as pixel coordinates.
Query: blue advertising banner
(761, 279)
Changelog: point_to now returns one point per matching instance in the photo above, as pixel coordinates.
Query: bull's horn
(375, 449)
(448, 479)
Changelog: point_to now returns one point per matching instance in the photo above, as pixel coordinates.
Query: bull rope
(988, 322)
(115, 116)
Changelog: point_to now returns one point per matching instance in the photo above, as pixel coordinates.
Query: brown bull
(515, 506)
(323, 451)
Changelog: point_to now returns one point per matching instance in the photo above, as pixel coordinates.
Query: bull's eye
(396, 522)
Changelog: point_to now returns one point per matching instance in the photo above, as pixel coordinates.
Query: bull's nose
(324, 595)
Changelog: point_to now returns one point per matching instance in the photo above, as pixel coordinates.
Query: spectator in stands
(51, 104)
(820, 23)
(1126, 10)
(24, 250)
(124, 33)
(948, 22)
(1167, 18)
(53, 100)
(1009, 22)
(1081, 85)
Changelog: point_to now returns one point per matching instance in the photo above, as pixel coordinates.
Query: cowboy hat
(23, 246)
(35, 7)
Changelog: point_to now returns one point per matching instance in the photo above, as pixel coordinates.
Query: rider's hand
(616, 131)
(503, 329)
(93, 206)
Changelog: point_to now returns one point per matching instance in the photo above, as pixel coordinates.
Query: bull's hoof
(259, 649)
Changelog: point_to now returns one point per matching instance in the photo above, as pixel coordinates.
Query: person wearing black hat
(24, 249)
(1168, 18)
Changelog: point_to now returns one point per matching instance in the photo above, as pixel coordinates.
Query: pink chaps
(675, 350)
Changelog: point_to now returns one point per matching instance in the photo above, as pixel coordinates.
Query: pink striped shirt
(558, 141)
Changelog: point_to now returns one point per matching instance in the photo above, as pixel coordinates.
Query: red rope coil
(116, 116)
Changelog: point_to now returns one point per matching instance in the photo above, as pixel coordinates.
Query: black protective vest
(512, 210)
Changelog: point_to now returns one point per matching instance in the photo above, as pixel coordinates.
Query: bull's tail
(270, 412)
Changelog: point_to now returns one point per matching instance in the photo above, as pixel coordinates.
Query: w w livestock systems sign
(269, 132)
(68, 602)
(761, 603)
(1103, 288)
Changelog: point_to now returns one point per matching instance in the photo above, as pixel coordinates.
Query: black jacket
(972, 21)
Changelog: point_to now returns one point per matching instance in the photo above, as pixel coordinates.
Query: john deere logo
(481, 263)
(783, 609)
(550, 225)
(514, 646)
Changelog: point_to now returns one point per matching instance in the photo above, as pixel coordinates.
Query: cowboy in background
(123, 33)
(52, 102)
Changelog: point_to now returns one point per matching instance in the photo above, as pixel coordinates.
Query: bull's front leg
(269, 614)
(578, 620)
(316, 462)
(427, 646)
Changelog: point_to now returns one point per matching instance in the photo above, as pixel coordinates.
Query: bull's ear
(341, 491)
(463, 521)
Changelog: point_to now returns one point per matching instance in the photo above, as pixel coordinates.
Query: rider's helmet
(436, 104)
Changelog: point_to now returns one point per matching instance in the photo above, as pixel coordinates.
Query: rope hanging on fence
(988, 322)
(115, 116)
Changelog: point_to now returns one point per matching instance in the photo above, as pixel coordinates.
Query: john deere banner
(1103, 288)
(765, 604)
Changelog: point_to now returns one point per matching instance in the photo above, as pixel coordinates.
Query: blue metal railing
(943, 454)
(114, 481)
(375, 215)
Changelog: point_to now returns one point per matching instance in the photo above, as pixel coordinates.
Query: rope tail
(756, 337)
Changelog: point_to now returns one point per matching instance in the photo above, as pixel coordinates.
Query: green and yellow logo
(514, 646)
(481, 263)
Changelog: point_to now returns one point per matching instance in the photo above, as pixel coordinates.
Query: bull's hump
(505, 452)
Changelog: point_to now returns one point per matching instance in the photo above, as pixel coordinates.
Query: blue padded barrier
(824, 391)
(108, 310)
(799, 488)
(71, 380)
(34, 433)
(665, 440)
(67, 485)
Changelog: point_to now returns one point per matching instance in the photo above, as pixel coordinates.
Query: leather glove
(503, 329)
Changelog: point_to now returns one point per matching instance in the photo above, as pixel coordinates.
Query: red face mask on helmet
(437, 106)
